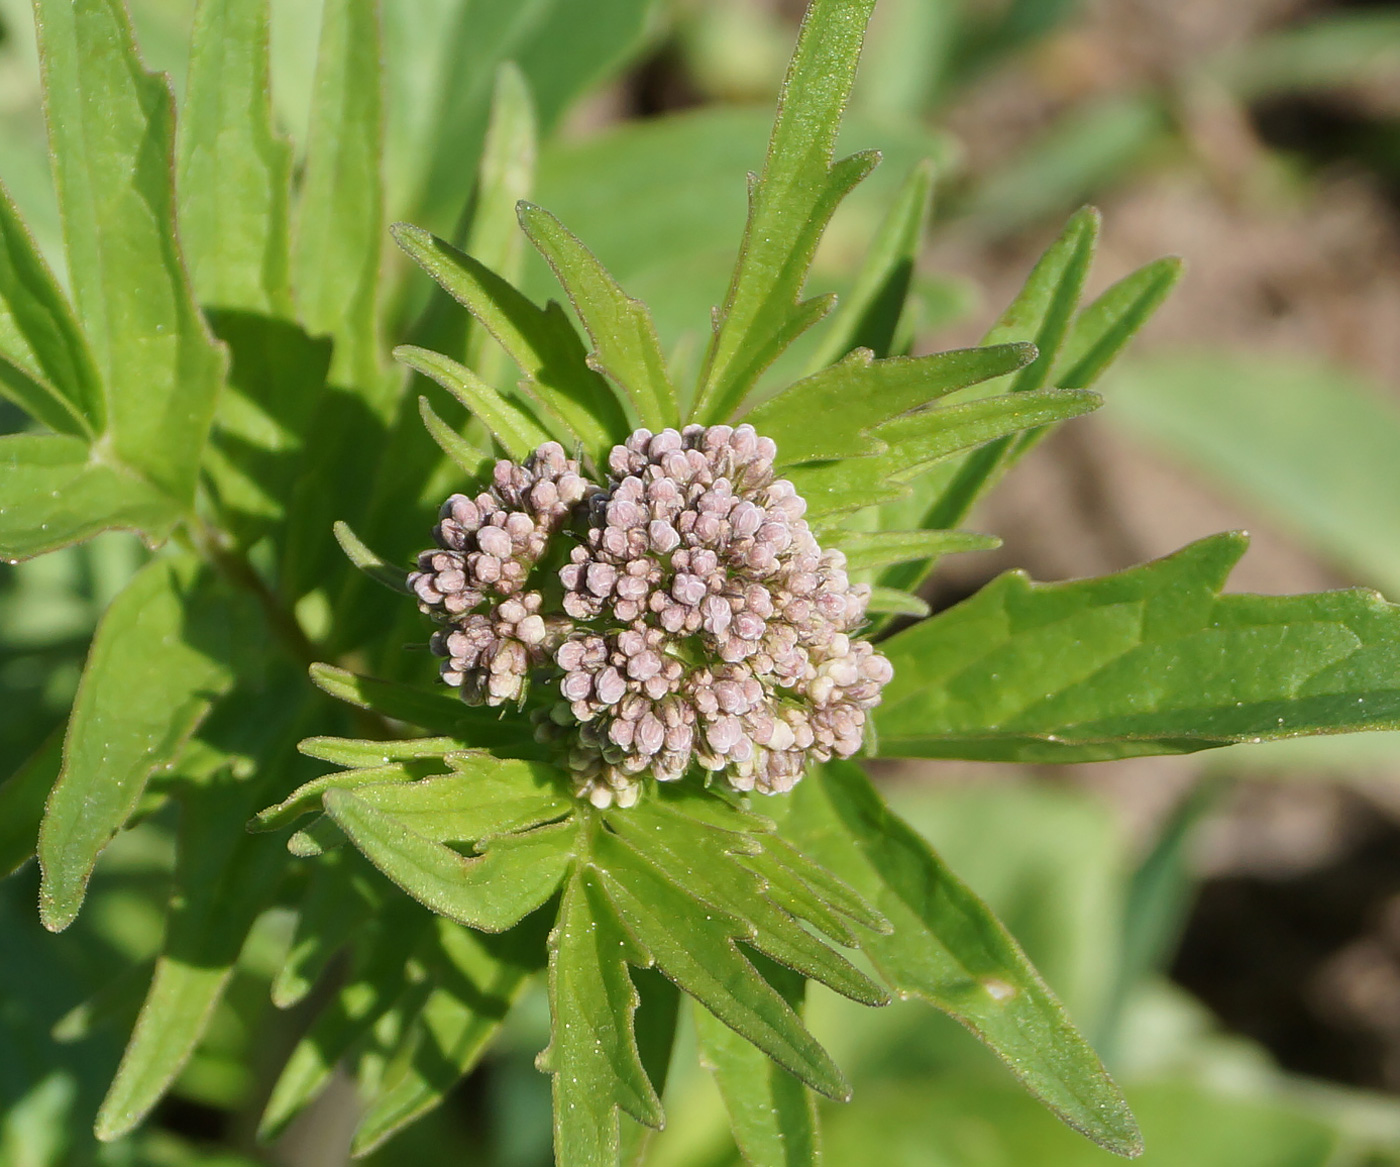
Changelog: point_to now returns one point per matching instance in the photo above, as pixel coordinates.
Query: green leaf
(432, 710)
(821, 883)
(340, 210)
(492, 797)
(160, 658)
(55, 494)
(541, 341)
(789, 208)
(476, 980)
(865, 392)
(471, 459)
(625, 346)
(869, 315)
(1146, 661)
(773, 1115)
(865, 550)
(894, 602)
(234, 172)
(355, 752)
(342, 893)
(266, 430)
(53, 376)
(592, 1050)
(1102, 329)
(22, 798)
(655, 1024)
(491, 892)
(385, 574)
(949, 950)
(306, 798)
(918, 440)
(222, 881)
(1041, 313)
(693, 944)
(509, 424)
(385, 949)
(1306, 443)
(111, 129)
(707, 864)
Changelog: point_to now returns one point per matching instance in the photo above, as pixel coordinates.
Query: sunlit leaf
(789, 207)
(1150, 660)
(492, 892)
(869, 315)
(774, 1116)
(865, 393)
(592, 1051)
(541, 341)
(111, 127)
(161, 656)
(340, 209)
(693, 944)
(52, 376)
(625, 346)
(949, 950)
(234, 172)
(55, 493)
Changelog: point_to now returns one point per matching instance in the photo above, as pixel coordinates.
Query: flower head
(701, 621)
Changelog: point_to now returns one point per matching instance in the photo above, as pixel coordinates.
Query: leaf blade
(145, 688)
(1144, 667)
(111, 127)
(949, 950)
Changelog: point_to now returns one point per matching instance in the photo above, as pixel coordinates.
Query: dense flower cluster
(701, 622)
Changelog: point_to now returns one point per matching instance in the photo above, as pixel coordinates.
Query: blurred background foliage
(1227, 927)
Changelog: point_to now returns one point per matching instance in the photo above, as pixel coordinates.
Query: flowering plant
(660, 603)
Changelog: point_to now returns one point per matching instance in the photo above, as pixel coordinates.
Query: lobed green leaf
(592, 1050)
(773, 1115)
(429, 709)
(160, 658)
(492, 892)
(56, 493)
(869, 315)
(625, 346)
(384, 574)
(790, 205)
(493, 797)
(949, 950)
(541, 341)
(111, 130)
(1103, 328)
(708, 865)
(47, 368)
(692, 943)
(918, 440)
(865, 550)
(1149, 660)
(234, 171)
(865, 393)
(512, 426)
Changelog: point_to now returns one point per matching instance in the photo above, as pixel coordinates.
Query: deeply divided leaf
(789, 207)
(949, 950)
